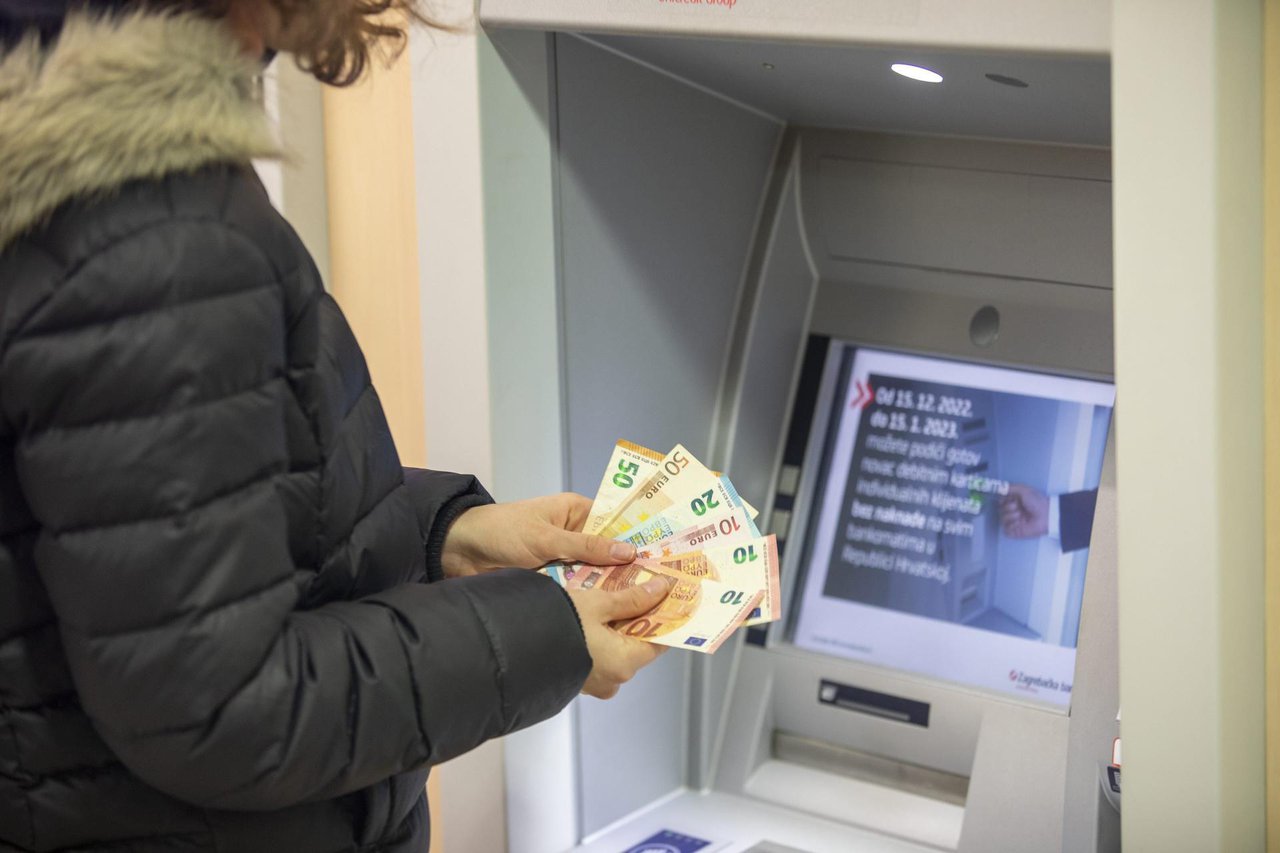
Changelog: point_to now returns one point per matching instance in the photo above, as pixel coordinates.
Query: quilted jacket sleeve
(439, 497)
(150, 404)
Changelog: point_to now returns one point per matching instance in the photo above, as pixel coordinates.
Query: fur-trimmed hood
(118, 99)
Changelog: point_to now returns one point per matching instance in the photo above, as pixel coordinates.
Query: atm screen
(950, 522)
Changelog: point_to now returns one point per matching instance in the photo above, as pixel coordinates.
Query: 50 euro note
(682, 490)
(751, 564)
(696, 614)
(630, 465)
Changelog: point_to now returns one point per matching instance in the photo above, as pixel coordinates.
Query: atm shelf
(735, 824)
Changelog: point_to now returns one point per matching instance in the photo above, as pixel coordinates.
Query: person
(1028, 513)
(229, 619)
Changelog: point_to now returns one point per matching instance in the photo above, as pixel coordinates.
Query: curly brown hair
(333, 40)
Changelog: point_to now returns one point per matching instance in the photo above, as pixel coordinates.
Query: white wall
(296, 183)
(446, 131)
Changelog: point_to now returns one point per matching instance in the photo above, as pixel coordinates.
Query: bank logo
(1036, 683)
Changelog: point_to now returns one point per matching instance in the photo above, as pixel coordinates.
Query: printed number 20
(704, 503)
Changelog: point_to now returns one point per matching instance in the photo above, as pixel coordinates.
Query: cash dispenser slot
(868, 767)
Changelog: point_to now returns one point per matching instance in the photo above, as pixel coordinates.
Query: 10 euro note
(752, 564)
(682, 490)
(696, 614)
(727, 525)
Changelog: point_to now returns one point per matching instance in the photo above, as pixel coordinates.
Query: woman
(228, 618)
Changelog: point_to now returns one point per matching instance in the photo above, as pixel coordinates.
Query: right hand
(616, 658)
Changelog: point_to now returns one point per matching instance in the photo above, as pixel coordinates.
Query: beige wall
(1271, 221)
(1187, 141)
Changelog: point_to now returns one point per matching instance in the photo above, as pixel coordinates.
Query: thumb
(590, 549)
(637, 600)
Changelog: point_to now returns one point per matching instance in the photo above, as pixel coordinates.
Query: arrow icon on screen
(865, 395)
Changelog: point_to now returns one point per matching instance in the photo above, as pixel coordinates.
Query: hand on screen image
(1028, 513)
(1024, 512)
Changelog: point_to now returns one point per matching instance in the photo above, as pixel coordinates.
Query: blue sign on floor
(666, 841)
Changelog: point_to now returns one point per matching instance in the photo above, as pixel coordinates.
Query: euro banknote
(690, 524)
(682, 490)
(655, 538)
(630, 465)
(752, 564)
(696, 614)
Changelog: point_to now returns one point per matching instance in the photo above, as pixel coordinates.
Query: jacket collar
(118, 99)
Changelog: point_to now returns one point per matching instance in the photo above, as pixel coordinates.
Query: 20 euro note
(752, 565)
(682, 490)
(696, 614)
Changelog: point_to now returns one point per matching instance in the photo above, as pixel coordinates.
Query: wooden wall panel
(373, 240)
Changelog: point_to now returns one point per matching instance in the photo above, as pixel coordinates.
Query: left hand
(527, 535)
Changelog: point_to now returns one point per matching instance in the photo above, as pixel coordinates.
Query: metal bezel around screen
(811, 485)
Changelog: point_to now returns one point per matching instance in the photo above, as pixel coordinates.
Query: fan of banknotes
(689, 524)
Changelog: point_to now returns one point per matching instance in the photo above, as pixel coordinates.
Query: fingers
(576, 509)
(628, 658)
(586, 548)
(637, 600)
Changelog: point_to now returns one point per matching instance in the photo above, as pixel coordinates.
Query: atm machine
(883, 306)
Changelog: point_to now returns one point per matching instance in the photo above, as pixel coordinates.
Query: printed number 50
(626, 473)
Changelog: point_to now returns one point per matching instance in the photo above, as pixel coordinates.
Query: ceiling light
(915, 72)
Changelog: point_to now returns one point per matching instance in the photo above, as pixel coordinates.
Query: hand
(1024, 512)
(615, 658)
(527, 535)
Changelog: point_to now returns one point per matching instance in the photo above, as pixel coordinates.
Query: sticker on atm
(669, 841)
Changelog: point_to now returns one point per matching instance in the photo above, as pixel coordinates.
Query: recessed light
(915, 72)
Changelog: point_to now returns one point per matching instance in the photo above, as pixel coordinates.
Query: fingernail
(622, 551)
(653, 586)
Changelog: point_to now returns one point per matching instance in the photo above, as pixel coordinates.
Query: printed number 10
(731, 597)
(744, 555)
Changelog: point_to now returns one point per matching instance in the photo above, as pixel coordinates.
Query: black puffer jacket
(222, 624)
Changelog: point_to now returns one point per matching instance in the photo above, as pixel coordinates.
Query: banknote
(655, 539)
(629, 466)
(682, 490)
(750, 564)
(697, 614)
